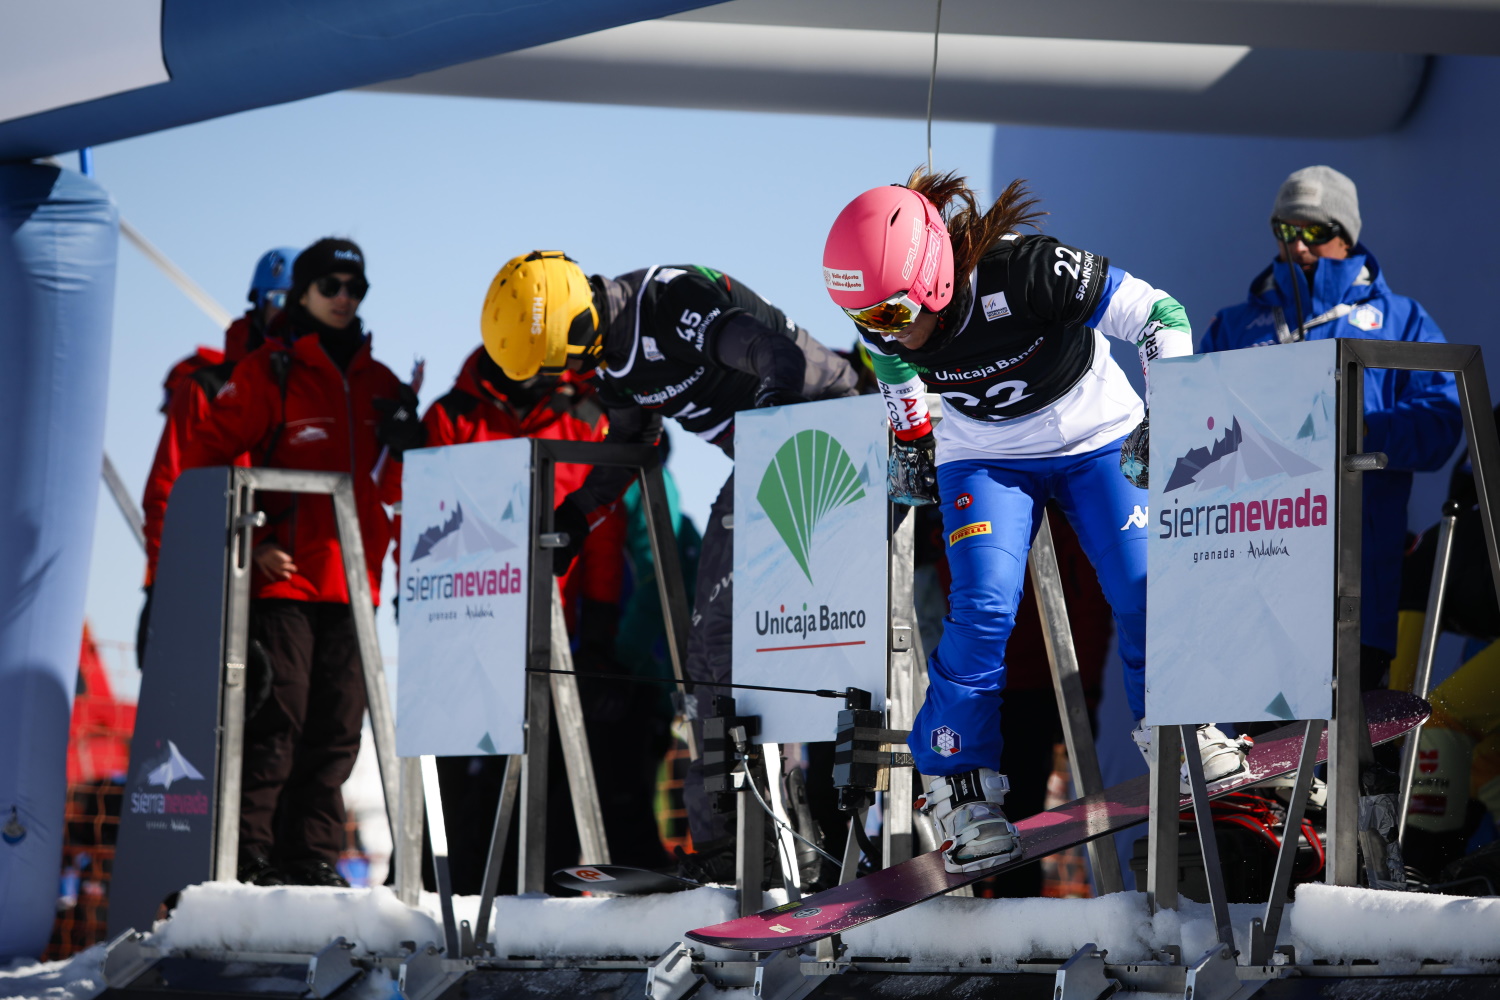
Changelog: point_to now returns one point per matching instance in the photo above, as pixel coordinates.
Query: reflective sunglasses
(1313, 234)
(330, 285)
(895, 313)
(275, 298)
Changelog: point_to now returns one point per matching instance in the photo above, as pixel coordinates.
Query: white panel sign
(466, 516)
(810, 563)
(1240, 596)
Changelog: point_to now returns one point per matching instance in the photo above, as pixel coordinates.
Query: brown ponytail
(973, 234)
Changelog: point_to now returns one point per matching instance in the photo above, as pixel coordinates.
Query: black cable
(688, 685)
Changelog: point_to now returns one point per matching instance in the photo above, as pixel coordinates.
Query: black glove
(399, 428)
(572, 521)
(911, 476)
(776, 395)
(1135, 455)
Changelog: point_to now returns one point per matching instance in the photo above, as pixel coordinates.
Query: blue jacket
(1413, 417)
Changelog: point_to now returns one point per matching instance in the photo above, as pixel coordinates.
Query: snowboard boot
(968, 810)
(1223, 756)
(256, 869)
(711, 862)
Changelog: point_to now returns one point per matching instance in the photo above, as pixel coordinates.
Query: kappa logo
(964, 499)
(1137, 518)
(946, 741)
(810, 477)
(969, 531)
(308, 434)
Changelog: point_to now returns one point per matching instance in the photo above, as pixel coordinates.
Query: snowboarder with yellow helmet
(679, 341)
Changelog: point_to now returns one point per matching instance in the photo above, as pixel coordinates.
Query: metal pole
(1208, 844)
(575, 744)
(669, 583)
(438, 834)
(498, 835)
(1263, 939)
(786, 844)
(750, 834)
(531, 859)
(1162, 828)
(1484, 451)
(901, 667)
(1072, 704)
(128, 510)
(377, 694)
(1347, 724)
(243, 520)
(1437, 592)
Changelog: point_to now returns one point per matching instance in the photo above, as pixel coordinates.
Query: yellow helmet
(538, 311)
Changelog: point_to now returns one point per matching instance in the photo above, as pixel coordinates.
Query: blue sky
(440, 192)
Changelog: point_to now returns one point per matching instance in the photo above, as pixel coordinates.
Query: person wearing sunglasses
(1323, 283)
(1010, 329)
(680, 341)
(189, 390)
(311, 398)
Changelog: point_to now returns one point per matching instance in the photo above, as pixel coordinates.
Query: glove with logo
(911, 476)
(1135, 454)
(569, 519)
(399, 428)
(775, 395)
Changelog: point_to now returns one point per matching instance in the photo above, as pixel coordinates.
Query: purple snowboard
(1389, 714)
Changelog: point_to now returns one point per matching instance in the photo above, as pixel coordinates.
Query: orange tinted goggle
(895, 313)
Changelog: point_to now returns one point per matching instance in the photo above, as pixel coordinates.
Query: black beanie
(329, 255)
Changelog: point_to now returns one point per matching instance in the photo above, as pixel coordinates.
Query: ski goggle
(895, 313)
(1313, 234)
(276, 298)
(330, 285)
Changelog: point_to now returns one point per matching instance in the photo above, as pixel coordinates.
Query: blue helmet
(273, 272)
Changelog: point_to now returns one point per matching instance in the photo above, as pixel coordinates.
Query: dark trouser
(709, 655)
(301, 743)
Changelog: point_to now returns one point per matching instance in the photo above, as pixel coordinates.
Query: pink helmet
(887, 241)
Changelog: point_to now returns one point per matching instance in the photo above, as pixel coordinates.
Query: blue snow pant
(991, 509)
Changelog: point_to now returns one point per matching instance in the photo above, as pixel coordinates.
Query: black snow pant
(709, 656)
(300, 744)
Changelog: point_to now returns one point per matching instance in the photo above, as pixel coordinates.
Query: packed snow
(1326, 923)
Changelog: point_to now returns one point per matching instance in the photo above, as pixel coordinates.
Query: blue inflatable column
(58, 238)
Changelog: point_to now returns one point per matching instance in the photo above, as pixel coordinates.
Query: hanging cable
(175, 274)
(937, 27)
(631, 678)
(750, 781)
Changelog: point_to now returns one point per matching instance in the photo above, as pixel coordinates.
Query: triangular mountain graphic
(175, 768)
(487, 744)
(1306, 430)
(1239, 457)
(1279, 707)
(510, 512)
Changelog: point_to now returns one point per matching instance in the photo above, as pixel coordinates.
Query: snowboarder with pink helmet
(1009, 328)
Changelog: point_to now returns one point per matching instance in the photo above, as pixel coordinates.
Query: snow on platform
(1327, 923)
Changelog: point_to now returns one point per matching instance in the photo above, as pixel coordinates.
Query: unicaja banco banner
(810, 559)
(1240, 594)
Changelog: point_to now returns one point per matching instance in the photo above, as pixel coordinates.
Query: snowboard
(1388, 713)
(619, 880)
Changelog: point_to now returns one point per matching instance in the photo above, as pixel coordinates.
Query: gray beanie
(1319, 194)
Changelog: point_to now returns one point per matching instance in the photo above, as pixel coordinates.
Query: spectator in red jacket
(310, 398)
(188, 391)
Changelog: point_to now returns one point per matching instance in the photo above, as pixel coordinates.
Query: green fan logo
(810, 477)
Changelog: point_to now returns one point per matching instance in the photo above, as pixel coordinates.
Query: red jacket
(291, 407)
(189, 388)
(475, 411)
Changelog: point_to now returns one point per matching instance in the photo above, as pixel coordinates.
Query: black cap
(330, 255)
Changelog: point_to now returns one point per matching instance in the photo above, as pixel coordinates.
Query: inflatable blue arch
(57, 266)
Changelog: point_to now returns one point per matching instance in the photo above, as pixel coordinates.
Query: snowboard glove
(569, 519)
(399, 428)
(774, 395)
(1135, 454)
(911, 476)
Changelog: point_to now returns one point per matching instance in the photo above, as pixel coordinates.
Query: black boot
(315, 871)
(258, 870)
